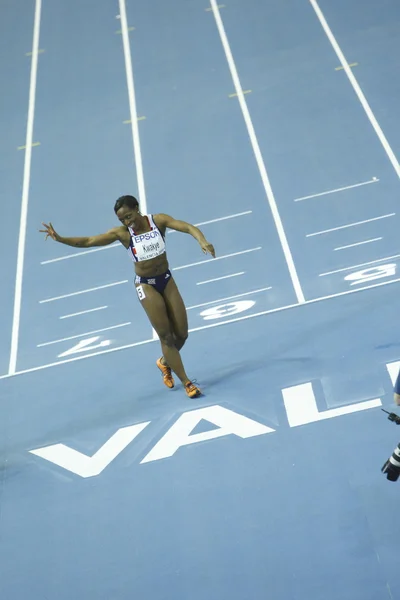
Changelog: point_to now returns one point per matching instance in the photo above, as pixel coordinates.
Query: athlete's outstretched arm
(167, 221)
(82, 242)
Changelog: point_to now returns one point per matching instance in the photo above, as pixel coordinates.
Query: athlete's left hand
(208, 249)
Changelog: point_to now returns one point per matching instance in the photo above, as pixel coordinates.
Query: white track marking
(351, 225)
(257, 153)
(68, 360)
(100, 287)
(357, 244)
(242, 214)
(371, 262)
(393, 370)
(25, 191)
(83, 312)
(356, 87)
(89, 344)
(389, 590)
(67, 256)
(234, 320)
(219, 278)
(74, 337)
(132, 107)
(341, 189)
(203, 262)
(229, 298)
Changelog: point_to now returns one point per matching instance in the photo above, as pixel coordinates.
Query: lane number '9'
(226, 310)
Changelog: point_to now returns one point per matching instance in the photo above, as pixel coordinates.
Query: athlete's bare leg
(177, 315)
(156, 310)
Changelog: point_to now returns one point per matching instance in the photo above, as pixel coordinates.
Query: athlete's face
(128, 216)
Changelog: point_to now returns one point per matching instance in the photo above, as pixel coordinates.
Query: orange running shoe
(166, 373)
(192, 390)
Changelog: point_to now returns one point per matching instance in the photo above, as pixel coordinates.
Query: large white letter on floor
(90, 466)
(393, 370)
(301, 406)
(227, 421)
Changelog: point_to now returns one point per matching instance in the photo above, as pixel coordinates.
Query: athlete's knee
(180, 339)
(166, 338)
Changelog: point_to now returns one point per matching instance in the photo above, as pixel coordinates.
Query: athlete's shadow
(309, 342)
(242, 370)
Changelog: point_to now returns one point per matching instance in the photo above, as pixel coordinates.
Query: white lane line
(203, 262)
(229, 298)
(341, 189)
(83, 312)
(25, 191)
(219, 278)
(100, 287)
(257, 153)
(79, 335)
(132, 107)
(242, 214)
(67, 256)
(356, 87)
(358, 244)
(365, 264)
(234, 320)
(351, 225)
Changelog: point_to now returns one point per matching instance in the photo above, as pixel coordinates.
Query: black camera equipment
(392, 466)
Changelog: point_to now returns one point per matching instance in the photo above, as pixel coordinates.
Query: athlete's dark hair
(129, 201)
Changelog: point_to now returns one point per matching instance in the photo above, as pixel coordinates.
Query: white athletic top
(146, 245)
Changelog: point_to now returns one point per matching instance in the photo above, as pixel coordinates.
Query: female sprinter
(144, 238)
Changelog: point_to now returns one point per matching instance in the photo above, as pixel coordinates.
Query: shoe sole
(196, 395)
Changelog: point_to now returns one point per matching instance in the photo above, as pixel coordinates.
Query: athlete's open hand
(208, 249)
(50, 232)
